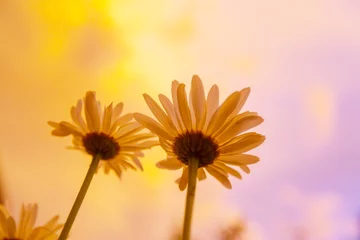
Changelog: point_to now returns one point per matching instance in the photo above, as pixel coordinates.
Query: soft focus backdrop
(300, 58)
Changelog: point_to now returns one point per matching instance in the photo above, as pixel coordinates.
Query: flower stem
(80, 197)
(190, 197)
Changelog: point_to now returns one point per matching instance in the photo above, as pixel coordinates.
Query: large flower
(203, 130)
(115, 138)
(25, 229)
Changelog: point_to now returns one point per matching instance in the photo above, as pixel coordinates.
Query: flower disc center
(195, 145)
(101, 143)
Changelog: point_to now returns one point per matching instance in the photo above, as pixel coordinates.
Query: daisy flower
(26, 229)
(203, 131)
(112, 140)
(107, 133)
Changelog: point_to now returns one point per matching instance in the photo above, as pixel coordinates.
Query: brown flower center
(11, 239)
(102, 144)
(195, 145)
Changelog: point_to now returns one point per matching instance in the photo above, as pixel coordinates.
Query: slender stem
(190, 197)
(80, 197)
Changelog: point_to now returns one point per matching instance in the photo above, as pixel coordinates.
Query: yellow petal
(219, 176)
(114, 166)
(127, 130)
(184, 179)
(58, 131)
(184, 107)
(117, 111)
(120, 122)
(222, 113)
(3, 224)
(228, 169)
(243, 145)
(240, 123)
(165, 145)
(169, 109)
(212, 103)
(76, 116)
(244, 94)
(201, 175)
(137, 163)
(107, 118)
(174, 90)
(127, 165)
(11, 227)
(68, 127)
(238, 160)
(135, 138)
(198, 100)
(92, 113)
(153, 126)
(160, 114)
(170, 164)
(245, 168)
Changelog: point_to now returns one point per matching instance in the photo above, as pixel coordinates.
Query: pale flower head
(106, 132)
(25, 229)
(200, 128)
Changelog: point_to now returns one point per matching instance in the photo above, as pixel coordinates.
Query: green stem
(190, 197)
(80, 197)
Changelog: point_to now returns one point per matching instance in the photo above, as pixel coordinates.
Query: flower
(25, 230)
(204, 130)
(115, 138)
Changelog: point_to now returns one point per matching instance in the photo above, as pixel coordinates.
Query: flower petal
(117, 111)
(137, 163)
(244, 94)
(184, 179)
(245, 168)
(107, 118)
(184, 107)
(243, 145)
(153, 126)
(238, 160)
(198, 100)
(76, 116)
(160, 114)
(212, 103)
(240, 123)
(174, 90)
(169, 109)
(219, 176)
(228, 169)
(165, 145)
(170, 164)
(59, 130)
(92, 113)
(135, 138)
(11, 226)
(222, 113)
(120, 122)
(114, 166)
(201, 175)
(68, 127)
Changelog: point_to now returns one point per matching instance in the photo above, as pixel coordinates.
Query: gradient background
(301, 59)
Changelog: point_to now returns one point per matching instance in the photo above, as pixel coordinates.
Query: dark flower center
(11, 239)
(102, 144)
(195, 145)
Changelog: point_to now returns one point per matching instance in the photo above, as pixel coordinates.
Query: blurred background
(300, 58)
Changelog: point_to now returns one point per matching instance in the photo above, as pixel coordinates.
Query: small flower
(106, 133)
(204, 130)
(25, 230)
